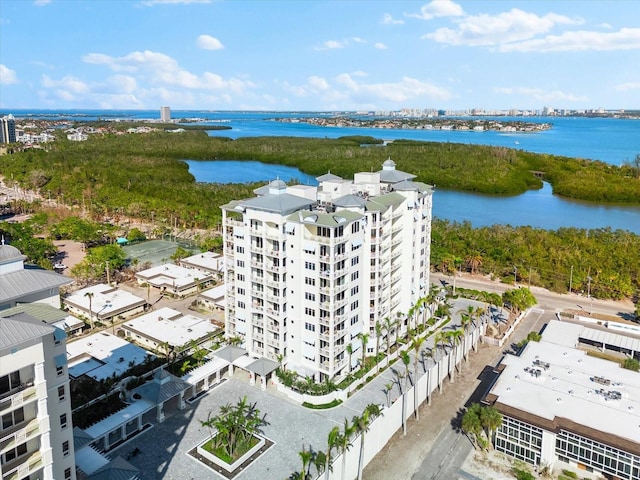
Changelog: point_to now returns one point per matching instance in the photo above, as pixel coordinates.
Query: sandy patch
(71, 253)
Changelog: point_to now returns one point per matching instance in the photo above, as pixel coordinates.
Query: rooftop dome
(8, 253)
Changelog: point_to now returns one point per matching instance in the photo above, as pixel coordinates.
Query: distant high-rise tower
(165, 114)
(7, 129)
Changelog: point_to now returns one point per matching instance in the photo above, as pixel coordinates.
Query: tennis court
(156, 252)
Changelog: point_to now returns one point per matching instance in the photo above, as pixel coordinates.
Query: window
(354, 305)
(309, 265)
(309, 281)
(241, 291)
(354, 320)
(241, 277)
(61, 394)
(239, 249)
(9, 382)
(355, 275)
(310, 326)
(65, 448)
(14, 453)
(310, 311)
(355, 227)
(310, 296)
(63, 420)
(354, 290)
(242, 305)
(59, 370)
(240, 263)
(355, 261)
(67, 473)
(12, 418)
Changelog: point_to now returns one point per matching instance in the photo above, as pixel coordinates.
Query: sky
(305, 55)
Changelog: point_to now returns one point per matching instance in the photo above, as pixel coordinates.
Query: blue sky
(319, 55)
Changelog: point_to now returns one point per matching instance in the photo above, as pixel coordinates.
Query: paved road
(445, 460)
(546, 300)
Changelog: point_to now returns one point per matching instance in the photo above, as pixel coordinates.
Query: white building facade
(563, 408)
(36, 434)
(310, 270)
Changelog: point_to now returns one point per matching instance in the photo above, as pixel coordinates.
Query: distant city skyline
(319, 55)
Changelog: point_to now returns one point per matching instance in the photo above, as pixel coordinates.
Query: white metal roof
(567, 389)
(103, 427)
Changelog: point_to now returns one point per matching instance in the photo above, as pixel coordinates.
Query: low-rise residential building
(175, 280)
(103, 355)
(561, 406)
(214, 298)
(166, 327)
(104, 303)
(209, 263)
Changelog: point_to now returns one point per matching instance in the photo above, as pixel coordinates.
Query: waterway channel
(536, 208)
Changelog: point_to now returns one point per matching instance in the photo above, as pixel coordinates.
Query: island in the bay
(462, 124)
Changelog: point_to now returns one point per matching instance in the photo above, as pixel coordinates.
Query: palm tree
(416, 344)
(439, 339)
(364, 338)
(89, 295)
(344, 444)
(406, 359)
(362, 424)
(306, 456)
(388, 326)
(430, 300)
(387, 391)
(491, 420)
(349, 352)
(332, 442)
(454, 338)
(378, 335)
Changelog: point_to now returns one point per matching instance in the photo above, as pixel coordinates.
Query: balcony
(276, 253)
(274, 268)
(273, 234)
(25, 393)
(23, 466)
(234, 223)
(19, 434)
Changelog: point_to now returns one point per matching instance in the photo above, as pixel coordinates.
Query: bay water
(609, 140)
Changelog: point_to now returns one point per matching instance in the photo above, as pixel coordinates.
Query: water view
(536, 208)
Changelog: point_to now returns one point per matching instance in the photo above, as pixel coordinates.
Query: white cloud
(380, 46)
(405, 90)
(438, 8)
(41, 3)
(7, 76)
(318, 83)
(68, 84)
(625, 39)
(540, 95)
(359, 40)
(487, 30)
(605, 25)
(151, 3)
(331, 45)
(387, 19)
(207, 42)
(625, 87)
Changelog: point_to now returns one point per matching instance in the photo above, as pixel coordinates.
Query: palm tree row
(339, 442)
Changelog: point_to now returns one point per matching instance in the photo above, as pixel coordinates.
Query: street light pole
(515, 276)
(589, 295)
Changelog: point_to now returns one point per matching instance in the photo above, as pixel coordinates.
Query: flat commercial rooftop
(550, 381)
